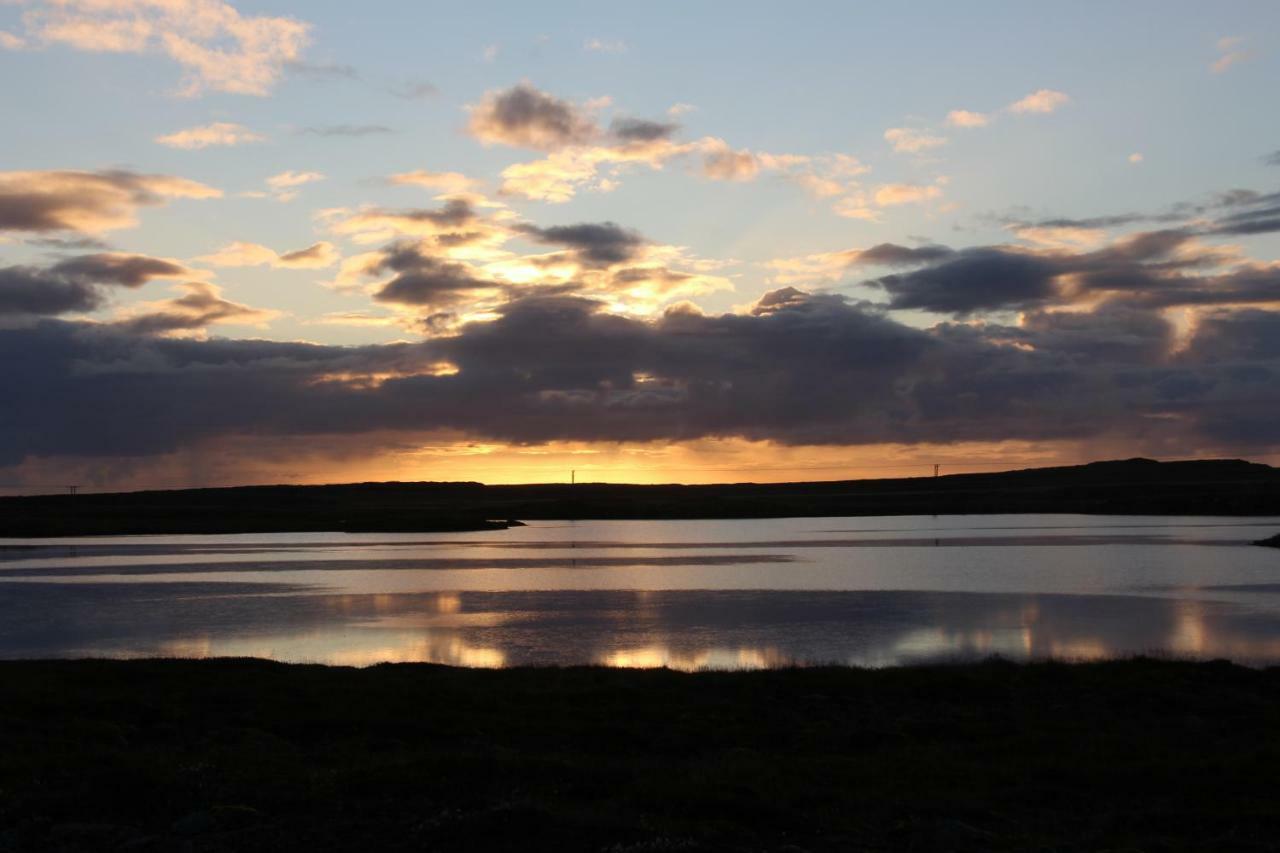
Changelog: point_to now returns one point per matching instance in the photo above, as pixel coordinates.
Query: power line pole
(936, 468)
(71, 490)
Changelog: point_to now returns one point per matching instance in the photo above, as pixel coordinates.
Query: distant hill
(1124, 487)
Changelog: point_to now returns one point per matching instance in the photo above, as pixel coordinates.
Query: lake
(870, 591)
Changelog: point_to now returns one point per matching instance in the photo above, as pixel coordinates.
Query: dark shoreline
(237, 754)
(1128, 487)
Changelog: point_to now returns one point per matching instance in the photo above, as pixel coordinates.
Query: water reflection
(678, 629)
(688, 595)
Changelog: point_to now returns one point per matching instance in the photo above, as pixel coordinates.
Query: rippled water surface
(688, 594)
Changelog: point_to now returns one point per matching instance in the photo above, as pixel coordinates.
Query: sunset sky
(325, 241)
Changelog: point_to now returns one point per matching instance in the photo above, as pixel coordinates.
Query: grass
(252, 755)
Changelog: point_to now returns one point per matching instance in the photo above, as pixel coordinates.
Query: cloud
(316, 256)
(594, 244)
(905, 140)
(1229, 53)
(445, 183)
(1152, 270)
(218, 48)
(118, 268)
(346, 130)
(583, 155)
(458, 225)
(641, 130)
(465, 261)
(794, 368)
(526, 117)
(1061, 236)
(893, 255)
(321, 70)
(1272, 159)
(892, 195)
(76, 244)
(490, 52)
(965, 118)
(722, 163)
(86, 201)
(283, 187)
(596, 45)
(76, 283)
(981, 279)
(200, 306)
(559, 176)
(426, 282)
(288, 180)
(1136, 157)
(9, 41)
(1040, 101)
(1251, 214)
(826, 267)
(220, 133)
(31, 291)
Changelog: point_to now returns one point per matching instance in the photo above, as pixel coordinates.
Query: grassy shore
(251, 755)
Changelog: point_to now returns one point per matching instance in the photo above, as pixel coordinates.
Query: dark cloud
(799, 368)
(72, 244)
(124, 270)
(893, 255)
(525, 117)
(596, 244)
(1272, 159)
(423, 280)
(641, 130)
(1112, 334)
(1113, 221)
(1151, 269)
(1177, 213)
(980, 279)
(346, 130)
(435, 283)
(314, 252)
(85, 201)
(1249, 335)
(74, 284)
(455, 213)
(32, 291)
(201, 307)
(1261, 215)
(320, 71)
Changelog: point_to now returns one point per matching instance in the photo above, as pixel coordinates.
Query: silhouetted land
(1130, 487)
(226, 755)
(1270, 542)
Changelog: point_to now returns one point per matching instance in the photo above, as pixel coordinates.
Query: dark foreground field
(249, 755)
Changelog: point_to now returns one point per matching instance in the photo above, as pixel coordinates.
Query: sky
(322, 242)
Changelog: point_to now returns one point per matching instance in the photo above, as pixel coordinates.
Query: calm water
(687, 594)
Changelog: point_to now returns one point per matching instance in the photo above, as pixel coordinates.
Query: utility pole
(71, 490)
(573, 477)
(936, 467)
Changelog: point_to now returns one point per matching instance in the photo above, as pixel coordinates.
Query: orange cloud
(1040, 101)
(218, 133)
(316, 256)
(218, 48)
(86, 201)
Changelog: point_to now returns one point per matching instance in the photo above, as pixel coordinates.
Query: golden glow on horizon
(380, 457)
